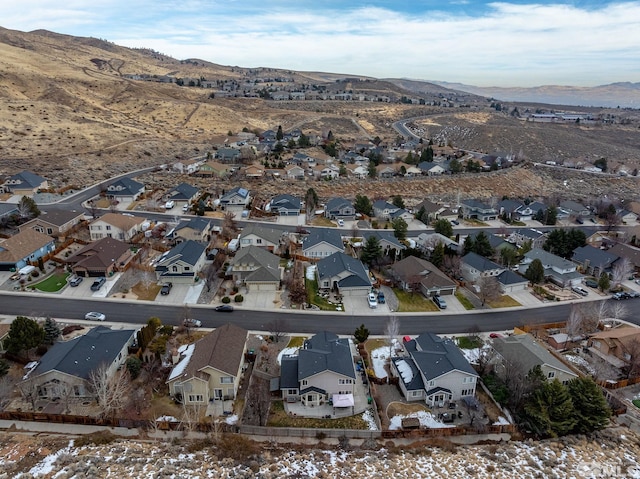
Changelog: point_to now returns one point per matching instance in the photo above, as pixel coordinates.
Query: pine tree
(604, 283)
(549, 412)
(51, 331)
(469, 245)
(482, 245)
(371, 251)
(24, 334)
(535, 272)
(361, 334)
(437, 256)
(592, 411)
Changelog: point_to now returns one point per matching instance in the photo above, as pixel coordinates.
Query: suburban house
(125, 189)
(339, 208)
(429, 208)
(8, 210)
(428, 241)
(253, 171)
(228, 155)
(344, 274)
(4, 334)
(473, 267)
(385, 171)
(187, 167)
(390, 245)
(256, 268)
(115, 225)
(294, 172)
(322, 371)
(360, 172)
(434, 370)
(103, 257)
(516, 210)
(183, 194)
(496, 242)
(24, 248)
(558, 270)
(419, 275)
(210, 368)
(236, 199)
(524, 353)
(182, 263)
(285, 205)
(65, 371)
(383, 209)
(322, 242)
(25, 183)
(264, 236)
(574, 209)
(522, 236)
(618, 346)
(631, 253)
(213, 168)
(54, 222)
(194, 229)
(511, 282)
(593, 261)
(476, 209)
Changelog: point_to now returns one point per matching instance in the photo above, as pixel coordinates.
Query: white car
(192, 323)
(95, 316)
(373, 301)
(169, 204)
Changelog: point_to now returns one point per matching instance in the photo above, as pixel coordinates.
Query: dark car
(620, 296)
(381, 298)
(591, 283)
(224, 308)
(75, 281)
(97, 284)
(166, 289)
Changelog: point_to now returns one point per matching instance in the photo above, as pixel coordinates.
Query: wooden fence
(623, 383)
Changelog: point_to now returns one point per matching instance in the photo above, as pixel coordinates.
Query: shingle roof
(436, 356)
(337, 263)
(120, 221)
(384, 235)
(22, 244)
(57, 216)
(325, 352)
(480, 262)
(268, 264)
(221, 349)
(100, 253)
(524, 350)
(188, 252)
(337, 203)
(196, 224)
(27, 178)
(81, 355)
(595, 256)
(412, 267)
(509, 277)
(128, 187)
(183, 191)
(320, 235)
(549, 259)
(269, 233)
(627, 251)
(286, 202)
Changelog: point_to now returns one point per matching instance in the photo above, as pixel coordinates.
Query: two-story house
(339, 208)
(264, 236)
(125, 190)
(115, 225)
(256, 268)
(25, 183)
(236, 199)
(558, 270)
(322, 242)
(187, 167)
(213, 168)
(390, 245)
(434, 370)
(383, 209)
(209, 369)
(476, 209)
(285, 205)
(182, 194)
(228, 155)
(473, 267)
(182, 263)
(194, 229)
(54, 222)
(525, 235)
(344, 274)
(593, 261)
(322, 369)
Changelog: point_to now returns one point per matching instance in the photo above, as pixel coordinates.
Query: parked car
(169, 204)
(633, 294)
(185, 208)
(591, 283)
(340, 223)
(224, 308)
(381, 298)
(192, 323)
(97, 284)
(495, 335)
(95, 316)
(619, 296)
(580, 291)
(75, 281)
(166, 289)
(440, 302)
(373, 302)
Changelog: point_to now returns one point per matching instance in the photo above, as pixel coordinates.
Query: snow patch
(405, 371)
(368, 417)
(287, 352)
(426, 420)
(179, 368)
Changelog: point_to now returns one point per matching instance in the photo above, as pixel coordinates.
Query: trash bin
(369, 400)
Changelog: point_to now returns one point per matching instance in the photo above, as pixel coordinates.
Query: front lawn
(413, 302)
(636, 403)
(146, 291)
(296, 341)
(311, 286)
(505, 301)
(53, 283)
(279, 418)
(464, 301)
(469, 342)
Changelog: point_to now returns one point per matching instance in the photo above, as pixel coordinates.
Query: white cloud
(512, 44)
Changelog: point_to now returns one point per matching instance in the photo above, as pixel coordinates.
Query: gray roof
(510, 205)
(382, 205)
(549, 259)
(197, 224)
(325, 352)
(530, 233)
(382, 235)
(183, 191)
(27, 178)
(58, 216)
(7, 209)
(476, 204)
(525, 351)
(242, 192)
(81, 355)
(129, 187)
(572, 206)
(509, 277)
(286, 202)
(319, 235)
(436, 356)
(480, 262)
(337, 263)
(267, 264)
(269, 233)
(188, 252)
(337, 203)
(595, 256)
(495, 241)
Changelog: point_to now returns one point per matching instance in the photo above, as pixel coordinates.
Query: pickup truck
(97, 284)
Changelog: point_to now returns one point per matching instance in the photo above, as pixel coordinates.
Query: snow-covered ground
(426, 420)
(580, 361)
(379, 357)
(287, 352)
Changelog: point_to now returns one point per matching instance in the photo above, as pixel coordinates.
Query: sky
(506, 43)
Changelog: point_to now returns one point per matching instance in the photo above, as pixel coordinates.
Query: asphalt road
(137, 312)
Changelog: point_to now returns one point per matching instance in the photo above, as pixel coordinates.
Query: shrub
(99, 438)
(35, 273)
(226, 300)
(239, 298)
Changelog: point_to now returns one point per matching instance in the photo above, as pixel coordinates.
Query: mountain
(613, 95)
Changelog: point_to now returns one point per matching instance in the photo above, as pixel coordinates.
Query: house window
(344, 381)
(108, 227)
(174, 269)
(304, 382)
(186, 268)
(196, 398)
(49, 231)
(76, 390)
(551, 375)
(467, 392)
(432, 383)
(258, 241)
(226, 380)
(416, 393)
(292, 391)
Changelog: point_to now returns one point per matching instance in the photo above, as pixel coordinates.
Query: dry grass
(413, 302)
(505, 301)
(403, 409)
(145, 291)
(164, 406)
(279, 418)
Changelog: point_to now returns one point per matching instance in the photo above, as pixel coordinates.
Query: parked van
(169, 204)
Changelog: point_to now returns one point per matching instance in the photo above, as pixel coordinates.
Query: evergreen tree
(592, 411)
(421, 215)
(371, 251)
(443, 227)
(604, 283)
(400, 228)
(4, 367)
(24, 334)
(549, 411)
(455, 167)
(303, 141)
(363, 205)
(398, 201)
(437, 255)
(482, 245)
(279, 133)
(551, 216)
(535, 272)
(469, 245)
(361, 334)
(371, 170)
(51, 331)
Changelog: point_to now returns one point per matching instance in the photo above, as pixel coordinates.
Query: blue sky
(506, 43)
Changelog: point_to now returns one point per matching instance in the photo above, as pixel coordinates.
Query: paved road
(39, 304)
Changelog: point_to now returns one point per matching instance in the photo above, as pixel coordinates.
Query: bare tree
(229, 226)
(258, 401)
(29, 390)
(278, 329)
(451, 265)
(391, 331)
(7, 385)
(580, 322)
(633, 363)
(111, 389)
(191, 414)
(210, 275)
(489, 289)
(621, 270)
(618, 311)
